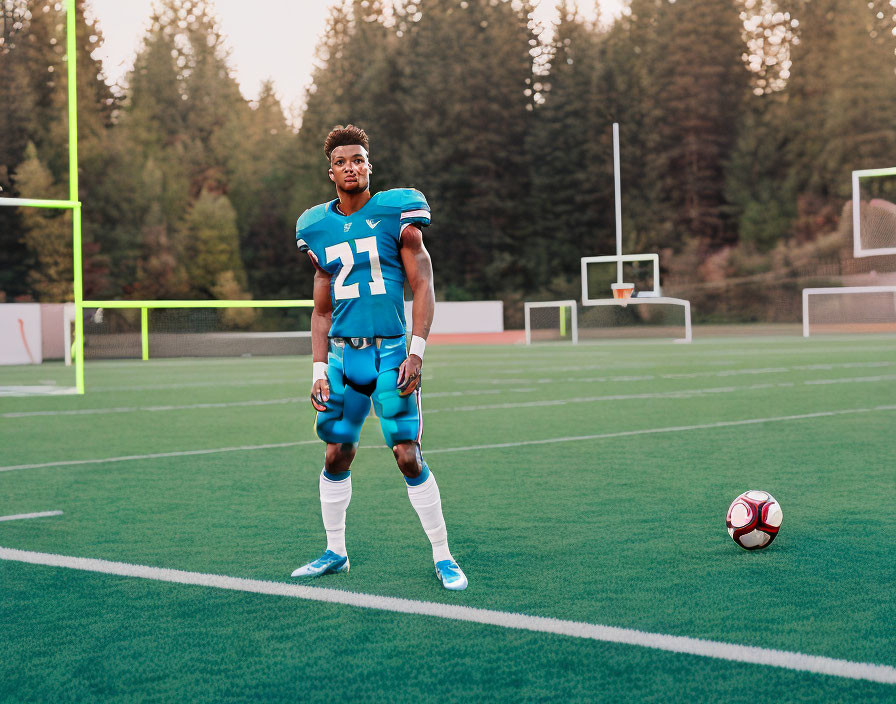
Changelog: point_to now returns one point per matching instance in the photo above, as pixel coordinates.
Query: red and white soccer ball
(753, 519)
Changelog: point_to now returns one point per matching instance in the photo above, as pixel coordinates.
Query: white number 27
(343, 252)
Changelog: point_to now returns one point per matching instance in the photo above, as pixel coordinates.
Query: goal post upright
(77, 263)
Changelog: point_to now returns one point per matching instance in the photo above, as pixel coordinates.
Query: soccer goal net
(853, 309)
(551, 321)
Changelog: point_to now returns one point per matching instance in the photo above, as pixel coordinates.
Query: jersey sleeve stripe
(415, 214)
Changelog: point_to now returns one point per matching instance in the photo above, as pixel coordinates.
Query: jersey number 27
(343, 252)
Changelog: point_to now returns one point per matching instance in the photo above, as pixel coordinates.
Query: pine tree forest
(741, 121)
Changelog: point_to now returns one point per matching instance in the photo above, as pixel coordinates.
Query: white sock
(427, 502)
(334, 498)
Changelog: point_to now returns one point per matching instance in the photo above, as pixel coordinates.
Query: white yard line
(853, 380)
(229, 384)
(23, 516)
(576, 629)
(158, 455)
(546, 441)
(684, 393)
(148, 409)
(671, 429)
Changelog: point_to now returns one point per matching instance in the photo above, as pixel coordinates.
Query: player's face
(349, 169)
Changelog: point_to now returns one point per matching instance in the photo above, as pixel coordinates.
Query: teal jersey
(360, 252)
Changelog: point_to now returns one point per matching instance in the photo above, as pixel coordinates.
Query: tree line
(741, 120)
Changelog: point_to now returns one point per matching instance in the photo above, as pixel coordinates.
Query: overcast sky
(282, 51)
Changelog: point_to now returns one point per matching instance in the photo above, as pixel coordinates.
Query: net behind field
(195, 332)
(855, 312)
(632, 321)
(877, 212)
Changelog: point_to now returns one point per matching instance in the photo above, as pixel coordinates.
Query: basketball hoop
(622, 292)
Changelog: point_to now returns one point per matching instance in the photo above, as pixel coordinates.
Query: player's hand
(409, 375)
(320, 394)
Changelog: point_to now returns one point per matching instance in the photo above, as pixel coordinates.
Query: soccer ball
(753, 519)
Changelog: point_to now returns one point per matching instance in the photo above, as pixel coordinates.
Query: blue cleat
(328, 563)
(450, 575)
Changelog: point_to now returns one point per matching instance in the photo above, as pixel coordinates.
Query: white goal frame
(857, 250)
(655, 292)
(839, 290)
(528, 306)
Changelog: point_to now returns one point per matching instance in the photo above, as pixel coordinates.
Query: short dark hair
(342, 136)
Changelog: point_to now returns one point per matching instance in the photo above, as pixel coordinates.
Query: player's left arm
(418, 269)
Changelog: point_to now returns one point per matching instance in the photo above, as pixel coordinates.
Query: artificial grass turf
(624, 531)
(131, 640)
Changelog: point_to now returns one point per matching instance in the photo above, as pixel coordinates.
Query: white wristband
(319, 371)
(418, 345)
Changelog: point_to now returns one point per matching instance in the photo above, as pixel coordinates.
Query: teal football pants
(358, 376)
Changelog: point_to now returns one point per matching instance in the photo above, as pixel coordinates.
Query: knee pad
(387, 401)
(345, 414)
(399, 415)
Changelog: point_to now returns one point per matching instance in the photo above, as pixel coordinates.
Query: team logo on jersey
(373, 223)
(347, 227)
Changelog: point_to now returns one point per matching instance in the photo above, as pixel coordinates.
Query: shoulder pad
(307, 220)
(403, 198)
(311, 217)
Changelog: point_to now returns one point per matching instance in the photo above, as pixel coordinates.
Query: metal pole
(144, 332)
(617, 178)
(71, 52)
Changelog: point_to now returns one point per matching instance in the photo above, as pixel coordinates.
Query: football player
(364, 247)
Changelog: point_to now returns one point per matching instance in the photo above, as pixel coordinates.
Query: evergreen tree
(33, 108)
(840, 106)
(182, 111)
(261, 172)
(160, 273)
(571, 156)
(47, 233)
(762, 197)
(468, 69)
(208, 246)
(30, 59)
(697, 84)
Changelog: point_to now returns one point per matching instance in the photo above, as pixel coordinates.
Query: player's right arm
(321, 319)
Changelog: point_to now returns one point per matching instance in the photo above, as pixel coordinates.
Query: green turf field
(586, 484)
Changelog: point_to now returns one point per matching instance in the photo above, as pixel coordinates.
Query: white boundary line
(23, 516)
(157, 455)
(497, 446)
(576, 629)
